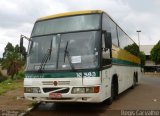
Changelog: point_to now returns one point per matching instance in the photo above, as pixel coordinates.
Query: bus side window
(106, 57)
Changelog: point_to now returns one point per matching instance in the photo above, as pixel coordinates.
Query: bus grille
(56, 90)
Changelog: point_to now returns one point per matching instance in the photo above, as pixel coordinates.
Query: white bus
(79, 57)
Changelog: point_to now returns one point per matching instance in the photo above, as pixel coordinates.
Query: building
(150, 65)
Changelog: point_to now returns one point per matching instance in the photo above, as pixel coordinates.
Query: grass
(33, 104)
(9, 84)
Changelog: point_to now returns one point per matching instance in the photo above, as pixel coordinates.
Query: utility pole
(138, 31)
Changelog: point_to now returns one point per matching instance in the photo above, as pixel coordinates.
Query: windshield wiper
(66, 53)
(46, 57)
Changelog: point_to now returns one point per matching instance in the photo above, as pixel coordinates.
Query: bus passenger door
(106, 63)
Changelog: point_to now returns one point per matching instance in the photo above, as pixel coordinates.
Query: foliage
(1, 60)
(155, 53)
(10, 85)
(33, 104)
(20, 75)
(133, 49)
(12, 60)
(142, 57)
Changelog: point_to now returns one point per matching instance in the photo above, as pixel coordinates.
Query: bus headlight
(32, 90)
(78, 90)
(89, 90)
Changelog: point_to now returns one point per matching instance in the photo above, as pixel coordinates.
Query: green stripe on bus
(63, 74)
(124, 62)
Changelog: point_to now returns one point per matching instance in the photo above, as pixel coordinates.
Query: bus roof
(70, 14)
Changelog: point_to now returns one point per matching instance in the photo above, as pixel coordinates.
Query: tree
(9, 49)
(12, 59)
(142, 57)
(133, 49)
(155, 53)
(1, 60)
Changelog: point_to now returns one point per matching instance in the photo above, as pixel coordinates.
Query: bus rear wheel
(134, 80)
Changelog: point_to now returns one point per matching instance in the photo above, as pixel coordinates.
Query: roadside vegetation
(13, 62)
(155, 53)
(11, 84)
(134, 49)
(142, 57)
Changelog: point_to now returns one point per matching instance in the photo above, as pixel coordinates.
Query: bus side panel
(125, 78)
(124, 65)
(106, 83)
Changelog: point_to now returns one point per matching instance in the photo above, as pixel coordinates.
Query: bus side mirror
(108, 40)
(21, 44)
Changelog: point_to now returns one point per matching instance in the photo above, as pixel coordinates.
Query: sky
(18, 16)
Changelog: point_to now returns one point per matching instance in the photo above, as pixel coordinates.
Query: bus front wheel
(114, 90)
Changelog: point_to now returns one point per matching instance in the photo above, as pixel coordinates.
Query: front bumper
(65, 97)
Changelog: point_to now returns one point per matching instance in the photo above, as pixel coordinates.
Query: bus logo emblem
(55, 83)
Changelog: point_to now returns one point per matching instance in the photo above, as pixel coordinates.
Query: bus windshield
(67, 24)
(78, 50)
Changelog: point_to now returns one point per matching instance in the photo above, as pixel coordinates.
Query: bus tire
(134, 81)
(114, 91)
(137, 77)
(110, 100)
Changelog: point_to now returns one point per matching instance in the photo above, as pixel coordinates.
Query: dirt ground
(12, 101)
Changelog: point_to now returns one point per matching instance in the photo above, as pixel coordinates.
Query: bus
(81, 56)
